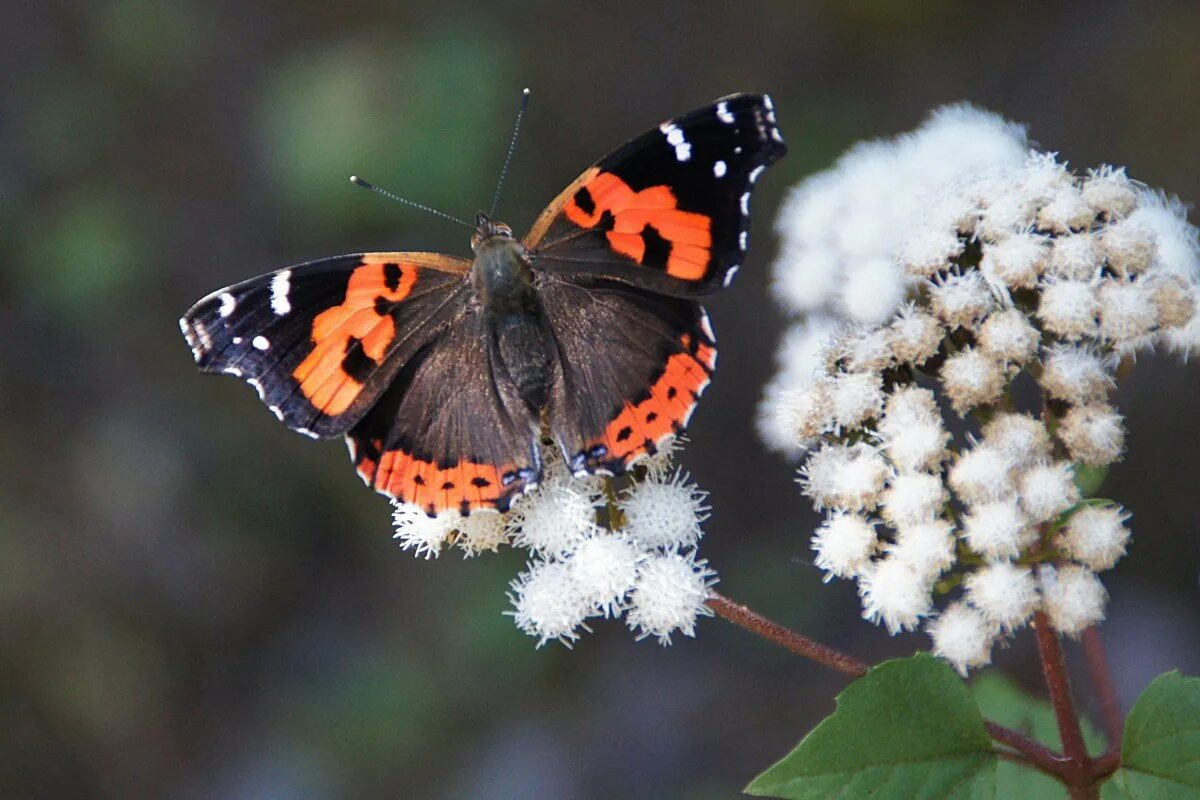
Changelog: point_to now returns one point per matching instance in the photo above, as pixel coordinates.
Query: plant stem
(798, 643)
(1093, 648)
(1058, 684)
(1030, 752)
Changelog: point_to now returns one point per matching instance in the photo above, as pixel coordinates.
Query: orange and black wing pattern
(669, 211)
(450, 433)
(320, 342)
(632, 366)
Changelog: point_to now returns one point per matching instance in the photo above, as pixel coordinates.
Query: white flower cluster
(1006, 266)
(596, 550)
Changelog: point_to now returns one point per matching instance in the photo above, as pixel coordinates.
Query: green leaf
(1089, 479)
(907, 729)
(1161, 751)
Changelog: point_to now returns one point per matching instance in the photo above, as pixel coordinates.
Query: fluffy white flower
(1076, 257)
(1020, 437)
(982, 474)
(1004, 592)
(963, 636)
(855, 397)
(960, 300)
(844, 544)
(1095, 536)
(914, 335)
(603, 569)
(1178, 249)
(872, 290)
(1066, 211)
(848, 477)
(972, 378)
(547, 604)
(896, 594)
(1127, 311)
(914, 444)
(1069, 308)
(1109, 192)
(1128, 246)
(553, 519)
(669, 596)
(1047, 490)
(865, 349)
(1009, 336)
(664, 512)
(1073, 598)
(1094, 434)
(927, 547)
(805, 276)
(1174, 299)
(804, 414)
(1185, 339)
(928, 249)
(998, 529)
(421, 533)
(907, 405)
(482, 531)
(1076, 374)
(1017, 261)
(913, 498)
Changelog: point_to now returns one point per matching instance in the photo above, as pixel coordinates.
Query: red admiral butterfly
(443, 372)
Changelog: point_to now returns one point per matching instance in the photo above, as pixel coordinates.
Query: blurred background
(195, 603)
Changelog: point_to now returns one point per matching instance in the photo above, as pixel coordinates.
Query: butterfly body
(444, 374)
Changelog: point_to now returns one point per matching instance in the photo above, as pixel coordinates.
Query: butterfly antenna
(512, 146)
(357, 181)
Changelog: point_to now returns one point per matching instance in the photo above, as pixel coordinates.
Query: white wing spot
(280, 287)
(261, 343)
(234, 371)
(729, 275)
(742, 237)
(258, 387)
(238, 340)
(767, 102)
(228, 304)
(745, 204)
(706, 326)
(754, 173)
(675, 138)
(277, 411)
(306, 432)
(776, 136)
(723, 113)
(719, 169)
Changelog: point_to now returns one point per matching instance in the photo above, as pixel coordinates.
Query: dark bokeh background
(195, 603)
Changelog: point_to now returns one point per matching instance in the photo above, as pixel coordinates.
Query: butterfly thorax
(515, 321)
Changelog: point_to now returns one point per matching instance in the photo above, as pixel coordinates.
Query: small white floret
(960, 300)
(482, 531)
(1006, 593)
(1009, 336)
(997, 529)
(664, 512)
(844, 544)
(1127, 311)
(1076, 374)
(847, 477)
(1047, 490)
(914, 335)
(895, 594)
(1094, 434)
(604, 569)
(552, 519)
(1109, 192)
(962, 636)
(1073, 598)
(982, 474)
(972, 378)
(912, 498)
(1016, 262)
(1095, 536)
(421, 533)
(1069, 308)
(669, 596)
(928, 547)
(1022, 438)
(855, 397)
(547, 604)
(1076, 257)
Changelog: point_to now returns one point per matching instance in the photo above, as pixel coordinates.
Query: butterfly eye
(503, 230)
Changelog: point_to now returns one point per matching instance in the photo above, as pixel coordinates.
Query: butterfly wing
(632, 366)
(321, 341)
(450, 432)
(669, 211)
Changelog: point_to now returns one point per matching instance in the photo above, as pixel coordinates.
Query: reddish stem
(1059, 686)
(1030, 752)
(1093, 648)
(798, 643)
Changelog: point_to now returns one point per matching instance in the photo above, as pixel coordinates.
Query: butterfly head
(488, 230)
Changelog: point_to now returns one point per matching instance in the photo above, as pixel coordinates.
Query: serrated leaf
(907, 730)
(1160, 756)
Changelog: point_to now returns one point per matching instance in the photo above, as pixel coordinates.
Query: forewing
(450, 432)
(669, 211)
(321, 341)
(632, 366)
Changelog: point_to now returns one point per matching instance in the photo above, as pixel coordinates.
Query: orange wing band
(632, 219)
(464, 486)
(361, 320)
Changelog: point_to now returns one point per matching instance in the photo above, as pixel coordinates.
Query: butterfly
(444, 373)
